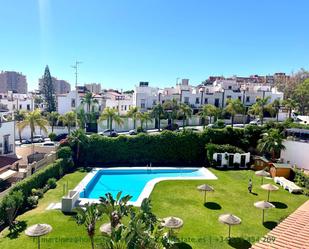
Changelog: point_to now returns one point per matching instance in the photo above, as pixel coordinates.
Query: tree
(52, 118)
(290, 104)
(48, 91)
(302, 96)
(19, 116)
(271, 142)
(111, 115)
(78, 139)
(274, 108)
(234, 106)
(145, 118)
(88, 216)
(68, 120)
(171, 107)
(157, 112)
(33, 119)
(258, 108)
(186, 112)
(208, 111)
(89, 100)
(133, 113)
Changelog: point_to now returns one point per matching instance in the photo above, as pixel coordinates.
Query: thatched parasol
(269, 187)
(38, 230)
(262, 173)
(230, 220)
(205, 188)
(263, 205)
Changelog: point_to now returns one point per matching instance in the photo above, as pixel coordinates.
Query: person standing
(250, 186)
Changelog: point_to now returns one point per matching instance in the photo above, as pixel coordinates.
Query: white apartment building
(119, 101)
(17, 101)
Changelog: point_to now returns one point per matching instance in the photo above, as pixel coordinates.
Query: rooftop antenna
(77, 63)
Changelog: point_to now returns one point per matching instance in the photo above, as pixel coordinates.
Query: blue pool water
(131, 181)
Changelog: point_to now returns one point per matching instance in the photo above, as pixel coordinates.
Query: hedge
(166, 148)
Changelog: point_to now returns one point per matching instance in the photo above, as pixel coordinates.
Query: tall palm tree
(145, 118)
(186, 112)
(133, 113)
(271, 142)
(258, 108)
(171, 107)
(77, 139)
(208, 110)
(52, 118)
(274, 108)
(34, 119)
(81, 118)
(111, 115)
(68, 120)
(88, 216)
(157, 112)
(19, 116)
(290, 104)
(234, 106)
(89, 100)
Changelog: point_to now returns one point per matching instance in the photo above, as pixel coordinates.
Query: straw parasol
(262, 173)
(263, 205)
(172, 223)
(205, 188)
(230, 220)
(38, 230)
(269, 187)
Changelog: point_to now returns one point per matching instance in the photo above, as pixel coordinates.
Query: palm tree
(52, 118)
(274, 108)
(234, 106)
(33, 119)
(208, 111)
(133, 113)
(68, 120)
(81, 118)
(19, 116)
(111, 115)
(258, 108)
(77, 139)
(171, 107)
(157, 112)
(290, 104)
(88, 216)
(271, 142)
(89, 100)
(145, 118)
(186, 112)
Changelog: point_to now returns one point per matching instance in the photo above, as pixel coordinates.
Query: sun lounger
(288, 185)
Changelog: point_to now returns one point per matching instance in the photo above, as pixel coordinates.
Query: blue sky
(124, 42)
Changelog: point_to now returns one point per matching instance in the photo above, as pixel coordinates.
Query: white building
(16, 101)
(7, 137)
(121, 102)
(229, 160)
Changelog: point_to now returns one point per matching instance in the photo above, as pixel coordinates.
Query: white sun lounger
(287, 184)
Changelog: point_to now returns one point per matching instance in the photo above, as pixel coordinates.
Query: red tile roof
(292, 233)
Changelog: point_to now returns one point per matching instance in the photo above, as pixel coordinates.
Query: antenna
(77, 63)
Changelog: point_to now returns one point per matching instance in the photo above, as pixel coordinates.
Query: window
(143, 104)
(125, 107)
(206, 101)
(197, 100)
(239, 97)
(230, 87)
(228, 96)
(217, 101)
(28, 107)
(154, 102)
(186, 100)
(73, 103)
(122, 107)
(20, 107)
(247, 99)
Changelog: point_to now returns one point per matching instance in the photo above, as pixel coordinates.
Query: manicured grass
(173, 198)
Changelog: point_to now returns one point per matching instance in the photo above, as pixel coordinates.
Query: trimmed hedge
(166, 148)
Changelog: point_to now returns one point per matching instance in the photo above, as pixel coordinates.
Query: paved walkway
(292, 233)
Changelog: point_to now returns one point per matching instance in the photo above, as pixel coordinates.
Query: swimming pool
(137, 182)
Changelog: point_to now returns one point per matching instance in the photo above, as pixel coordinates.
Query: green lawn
(174, 198)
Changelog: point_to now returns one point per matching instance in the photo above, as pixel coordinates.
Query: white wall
(297, 153)
(237, 158)
(7, 128)
(26, 133)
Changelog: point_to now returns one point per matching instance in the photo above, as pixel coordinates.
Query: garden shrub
(52, 183)
(65, 153)
(52, 136)
(37, 192)
(32, 201)
(301, 179)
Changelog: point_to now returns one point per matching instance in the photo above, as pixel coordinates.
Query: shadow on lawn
(270, 224)
(18, 228)
(279, 205)
(239, 243)
(212, 205)
(181, 245)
